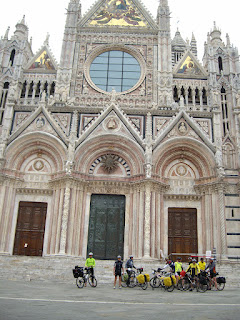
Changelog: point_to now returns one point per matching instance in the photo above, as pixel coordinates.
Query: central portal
(106, 226)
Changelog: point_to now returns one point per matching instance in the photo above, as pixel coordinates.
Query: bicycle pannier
(221, 280)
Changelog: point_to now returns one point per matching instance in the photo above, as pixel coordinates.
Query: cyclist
(117, 271)
(90, 264)
(169, 264)
(129, 266)
(178, 269)
(212, 269)
(194, 271)
(202, 264)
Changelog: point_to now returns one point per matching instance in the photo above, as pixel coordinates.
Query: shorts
(177, 274)
(118, 273)
(213, 274)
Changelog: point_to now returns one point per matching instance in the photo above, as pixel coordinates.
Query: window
(224, 111)
(3, 100)
(220, 64)
(115, 69)
(12, 56)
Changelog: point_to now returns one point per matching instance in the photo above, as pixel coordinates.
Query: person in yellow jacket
(90, 264)
(194, 271)
(178, 269)
(202, 264)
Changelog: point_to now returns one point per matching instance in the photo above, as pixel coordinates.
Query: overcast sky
(188, 15)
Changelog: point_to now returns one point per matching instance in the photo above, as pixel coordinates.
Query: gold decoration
(119, 13)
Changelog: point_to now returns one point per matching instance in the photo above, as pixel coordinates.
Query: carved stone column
(63, 239)
(222, 221)
(147, 237)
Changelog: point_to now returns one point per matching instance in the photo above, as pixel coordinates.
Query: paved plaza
(61, 301)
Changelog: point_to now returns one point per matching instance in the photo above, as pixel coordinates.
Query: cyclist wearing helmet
(90, 264)
(212, 269)
(194, 271)
(117, 271)
(178, 269)
(129, 265)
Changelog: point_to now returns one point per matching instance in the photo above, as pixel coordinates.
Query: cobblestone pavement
(60, 301)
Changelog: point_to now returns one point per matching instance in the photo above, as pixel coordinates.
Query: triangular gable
(39, 127)
(43, 61)
(112, 112)
(118, 13)
(192, 124)
(188, 67)
(228, 139)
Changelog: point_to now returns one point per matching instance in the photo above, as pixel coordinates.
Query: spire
(228, 40)
(21, 30)
(194, 45)
(216, 36)
(7, 33)
(163, 16)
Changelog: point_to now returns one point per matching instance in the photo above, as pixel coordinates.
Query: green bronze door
(106, 226)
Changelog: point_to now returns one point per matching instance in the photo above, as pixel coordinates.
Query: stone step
(60, 269)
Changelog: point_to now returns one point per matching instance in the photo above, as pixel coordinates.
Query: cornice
(186, 197)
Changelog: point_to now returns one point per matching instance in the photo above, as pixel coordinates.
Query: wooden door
(106, 226)
(30, 229)
(182, 231)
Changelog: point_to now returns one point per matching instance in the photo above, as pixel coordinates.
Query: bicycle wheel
(92, 281)
(202, 287)
(183, 284)
(144, 285)
(133, 281)
(155, 282)
(80, 282)
(220, 286)
(171, 288)
(124, 283)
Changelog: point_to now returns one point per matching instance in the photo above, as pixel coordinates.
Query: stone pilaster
(147, 218)
(63, 239)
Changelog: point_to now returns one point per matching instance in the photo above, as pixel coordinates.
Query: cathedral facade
(129, 145)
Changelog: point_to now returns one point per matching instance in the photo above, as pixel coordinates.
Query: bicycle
(220, 282)
(141, 279)
(187, 282)
(84, 275)
(133, 281)
(129, 279)
(160, 279)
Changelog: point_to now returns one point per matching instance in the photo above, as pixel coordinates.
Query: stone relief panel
(64, 121)
(19, 119)
(159, 123)
(40, 124)
(85, 121)
(182, 129)
(37, 168)
(206, 126)
(181, 174)
(138, 122)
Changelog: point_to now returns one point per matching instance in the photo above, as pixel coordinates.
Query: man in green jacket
(90, 264)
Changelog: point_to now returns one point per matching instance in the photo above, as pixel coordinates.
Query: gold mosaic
(119, 13)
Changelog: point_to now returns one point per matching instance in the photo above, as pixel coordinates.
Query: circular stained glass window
(115, 69)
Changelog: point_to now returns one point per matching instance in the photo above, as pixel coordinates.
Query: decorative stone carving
(40, 122)
(182, 128)
(38, 165)
(109, 163)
